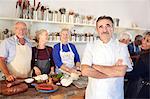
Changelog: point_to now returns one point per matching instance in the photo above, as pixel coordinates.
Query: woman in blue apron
(65, 54)
(42, 59)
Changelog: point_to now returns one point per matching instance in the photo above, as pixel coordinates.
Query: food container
(63, 18)
(73, 37)
(39, 14)
(46, 14)
(63, 15)
(50, 37)
(77, 18)
(116, 22)
(71, 19)
(91, 38)
(35, 15)
(57, 37)
(55, 16)
(50, 15)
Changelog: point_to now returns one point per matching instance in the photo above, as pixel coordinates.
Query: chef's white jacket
(105, 54)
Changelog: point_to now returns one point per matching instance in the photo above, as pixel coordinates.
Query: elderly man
(15, 54)
(125, 38)
(105, 62)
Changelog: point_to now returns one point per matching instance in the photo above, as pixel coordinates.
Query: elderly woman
(65, 54)
(42, 59)
(139, 84)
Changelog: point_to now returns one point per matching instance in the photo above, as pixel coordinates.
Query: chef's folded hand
(119, 62)
(10, 77)
(37, 70)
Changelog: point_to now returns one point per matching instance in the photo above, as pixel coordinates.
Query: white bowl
(29, 80)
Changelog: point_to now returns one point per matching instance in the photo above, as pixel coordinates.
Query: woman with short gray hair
(42, 59)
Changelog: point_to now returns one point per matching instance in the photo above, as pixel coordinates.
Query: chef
(65, 54)
(15, 54)
(105, 62)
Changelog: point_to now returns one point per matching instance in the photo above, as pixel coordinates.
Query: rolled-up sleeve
(8, 49)
(3, 49)
(126, 59)
(56, 56)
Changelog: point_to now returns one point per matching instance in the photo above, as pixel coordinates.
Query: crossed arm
(86, 70)
(100, 71)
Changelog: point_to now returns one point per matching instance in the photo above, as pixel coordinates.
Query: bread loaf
(22, 87)
(19, 88)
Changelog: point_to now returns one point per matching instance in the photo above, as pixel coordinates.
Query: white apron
(67, 57)
(20, 66)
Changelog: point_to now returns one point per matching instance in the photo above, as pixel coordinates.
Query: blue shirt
(133, 50)
(8, 47)
(65, 48)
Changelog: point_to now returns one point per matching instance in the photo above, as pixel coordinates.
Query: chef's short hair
(38, 33)
(105, 17)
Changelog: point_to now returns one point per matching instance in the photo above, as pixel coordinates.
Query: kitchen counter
(70, 92)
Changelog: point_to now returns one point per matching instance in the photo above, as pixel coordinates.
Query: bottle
(50, 37)
(88, 37)
(71, 17)
(35, 15)
(82, 37)
(39, 14)
(46, 13)
(58, 36)
(63, 14)
(73, 37)
(91, 38)
(50, 15)
(55, 16)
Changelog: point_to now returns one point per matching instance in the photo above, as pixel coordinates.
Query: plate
(47, 91)
(55, 88)
(45, 87)
(33, 84)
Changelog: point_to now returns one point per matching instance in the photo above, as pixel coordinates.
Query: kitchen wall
(129, 11)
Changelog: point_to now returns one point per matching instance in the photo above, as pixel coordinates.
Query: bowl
(29, 80)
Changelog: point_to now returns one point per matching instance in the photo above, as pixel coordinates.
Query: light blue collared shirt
(8, 47)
